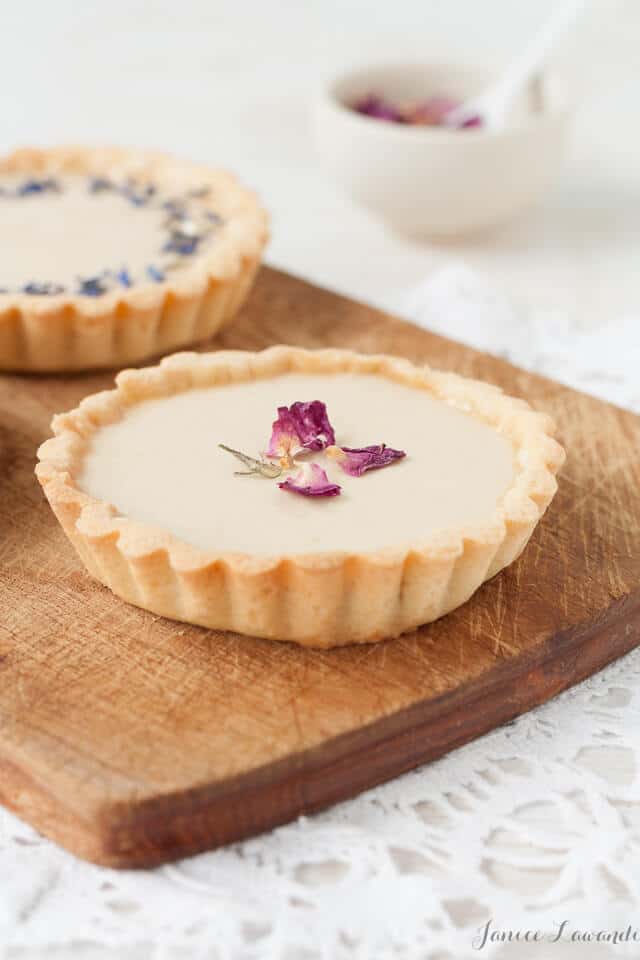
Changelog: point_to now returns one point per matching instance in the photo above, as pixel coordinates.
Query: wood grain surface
(133, 740)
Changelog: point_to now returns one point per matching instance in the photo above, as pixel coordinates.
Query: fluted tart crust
(51, 327)
(318, 598)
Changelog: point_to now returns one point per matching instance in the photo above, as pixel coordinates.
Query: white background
(539, 821)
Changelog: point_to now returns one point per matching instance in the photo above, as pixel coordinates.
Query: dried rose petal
(378, 108)
(284, 441)
(473, 121)
(357, 460)
(302, 426)
(311, 481)
(432, 111)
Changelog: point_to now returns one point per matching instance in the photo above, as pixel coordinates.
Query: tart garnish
(357, 460)
(306, 426)
(302, 426)
(311, 481)
(255, 468)
(188, 226)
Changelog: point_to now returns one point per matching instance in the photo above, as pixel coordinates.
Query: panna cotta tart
(112, 256)
(322, 497)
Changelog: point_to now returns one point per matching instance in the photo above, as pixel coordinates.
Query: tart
(154, 506)
(113, 256)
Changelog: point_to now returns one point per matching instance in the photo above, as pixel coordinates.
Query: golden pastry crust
(319, 600)
(128, 325)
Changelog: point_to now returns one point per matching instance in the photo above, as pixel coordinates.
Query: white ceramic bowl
(433, 181)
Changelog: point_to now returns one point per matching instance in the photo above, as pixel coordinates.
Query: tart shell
(318, 600)
(68, 332)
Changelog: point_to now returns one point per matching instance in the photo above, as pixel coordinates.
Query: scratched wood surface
(132, 740)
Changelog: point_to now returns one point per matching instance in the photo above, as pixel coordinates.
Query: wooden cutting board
(131, 740)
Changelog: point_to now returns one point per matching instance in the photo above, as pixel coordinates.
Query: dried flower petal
(189, 224)
(311, 481)
(181, 242)
(138, 194)
(100, 185)
(284, 442)
(43, 289)
(431, 112)
(357, 460)
(155, 274)
(378, 108)
(93, 286)
(302, 426)
(38, 185)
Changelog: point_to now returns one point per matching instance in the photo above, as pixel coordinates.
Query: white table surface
(538, 822)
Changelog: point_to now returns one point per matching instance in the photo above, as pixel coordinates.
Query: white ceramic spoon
(493, 105)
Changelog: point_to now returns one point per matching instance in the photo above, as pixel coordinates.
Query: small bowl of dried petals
(382, 134)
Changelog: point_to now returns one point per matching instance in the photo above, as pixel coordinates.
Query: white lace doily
(534, 824)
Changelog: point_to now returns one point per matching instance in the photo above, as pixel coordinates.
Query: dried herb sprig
(255, 468)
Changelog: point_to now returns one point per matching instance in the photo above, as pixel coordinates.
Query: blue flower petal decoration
(181, 243)
(93, 286)
(138, 195)
(43, 289)
(187, 226)
(155, 274)
(36, 185)
(100, 185)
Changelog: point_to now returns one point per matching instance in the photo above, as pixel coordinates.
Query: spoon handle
(524, 67)
(493, 104)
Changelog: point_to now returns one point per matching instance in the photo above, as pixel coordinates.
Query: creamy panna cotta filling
(89, 235)
(160, 464)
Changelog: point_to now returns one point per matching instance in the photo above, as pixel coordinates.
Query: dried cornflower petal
(138, 194)
(181, 242)
(93, 286)
(43, 289)
(302, 426)
(188, 226)
(357, 460)
(155, 274)
(38, 185)
(311, 481)
(100, 184)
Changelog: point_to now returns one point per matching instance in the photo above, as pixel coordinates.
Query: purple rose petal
(302, 426)
(378, 108)
(432, 111)
(357, 460)
(311, 481)
(474, 121)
